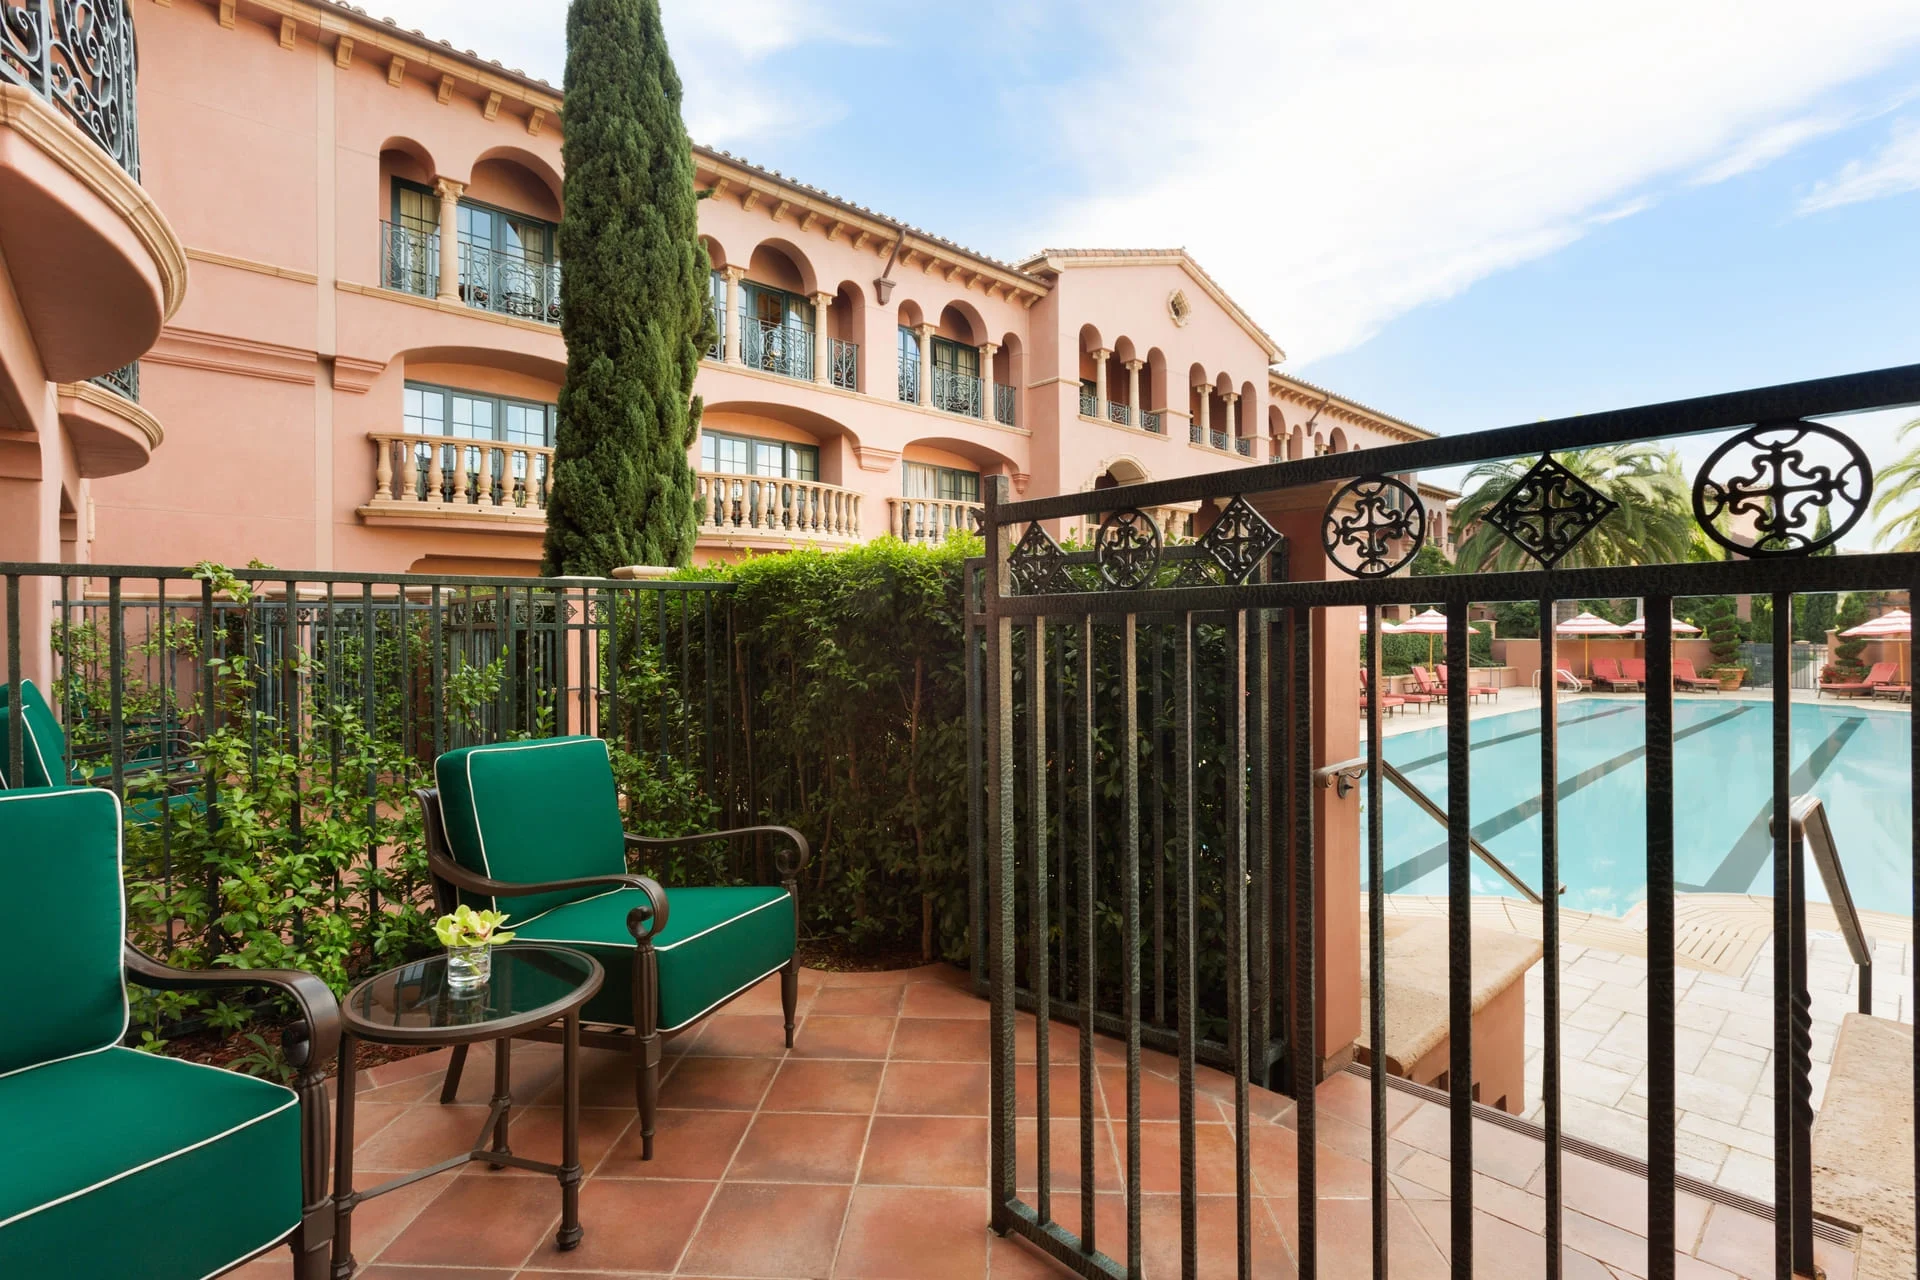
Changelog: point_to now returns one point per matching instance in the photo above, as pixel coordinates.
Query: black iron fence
(1144, 727)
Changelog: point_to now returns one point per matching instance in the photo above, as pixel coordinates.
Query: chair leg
(646, 1087)
(455, 1065)
(312, 1245)
(790, 993)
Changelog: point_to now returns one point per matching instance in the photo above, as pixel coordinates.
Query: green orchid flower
(466, 927)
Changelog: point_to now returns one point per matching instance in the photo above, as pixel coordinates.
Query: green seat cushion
(532, 811)
(122, 1163)
(717, 943)
(60, 852)
(43, 742)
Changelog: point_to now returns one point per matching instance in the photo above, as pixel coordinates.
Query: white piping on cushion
(274, 1243)
(660, 946)
(486, 868)
(26, 735)
(723, 999)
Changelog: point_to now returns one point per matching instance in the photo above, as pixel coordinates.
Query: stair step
(1863, 1143)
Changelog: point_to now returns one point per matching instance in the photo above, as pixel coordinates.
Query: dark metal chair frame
(644, 1040)
(309, 1045)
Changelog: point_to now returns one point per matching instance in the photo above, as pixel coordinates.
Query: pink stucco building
(362, 374)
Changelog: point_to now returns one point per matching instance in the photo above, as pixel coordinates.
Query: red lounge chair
(1388, 701)
(1606, 672)
(1686, 678)
(1898, 692)
(1634, 669)
(1882, 673)
(1430, 688)
(1473, 690)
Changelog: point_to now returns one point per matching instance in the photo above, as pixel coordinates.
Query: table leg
(344, 1085)
(502, 1095)
(570, 1172)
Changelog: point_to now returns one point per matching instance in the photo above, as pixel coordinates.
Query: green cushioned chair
(122, 1163)
(44, 762)
(533, 829)
(48, 761)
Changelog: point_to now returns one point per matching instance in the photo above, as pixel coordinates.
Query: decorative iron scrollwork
(1373, 526)
(1127, 549)
(78, 55)
(1549, 510)
(1776, 491)
(1038, 566)
(1236, 544)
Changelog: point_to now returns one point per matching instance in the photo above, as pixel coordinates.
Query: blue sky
(1467, 217)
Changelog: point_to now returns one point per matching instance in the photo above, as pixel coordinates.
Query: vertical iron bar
(1157, 711)
(1037, 850)
(1459, 941)
(1260, 871)
(116, 684)
(1236, 887)
(1799, 1023)
(1000, 820)
(368, 717)
(1087, 993)
(1304, 1050)
(16, 731)
(1130, 946)
(976, 799)
(1376, 948)
(207, 727)
(1661, 1086)
(1550, 926)
(164, 652)
(706, 699)
(436, 701)
(1186, 999)
(611, 718)
(1062, 817)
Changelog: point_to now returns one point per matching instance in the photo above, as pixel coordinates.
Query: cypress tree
(633, 300)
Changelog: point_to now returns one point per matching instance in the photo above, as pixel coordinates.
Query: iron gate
(1143, 723)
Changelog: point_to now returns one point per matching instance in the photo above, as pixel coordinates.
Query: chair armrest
(642, 922)
(790, 861)
(320, 1038)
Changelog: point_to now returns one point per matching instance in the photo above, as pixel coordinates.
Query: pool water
(1854, 758)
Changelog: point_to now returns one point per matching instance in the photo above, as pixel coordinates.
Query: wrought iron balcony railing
(1218, 439)
(1120, 413)
(844, 369)
(956, 392)
(909, 380)
(122, 382)
(409, 259)
(509, 284)
(718, 351)
(1243, 445)
(1195, 432)
(81, 58)
(1088, 403)
(1003, 403)
(778, 347)
(1150, 420)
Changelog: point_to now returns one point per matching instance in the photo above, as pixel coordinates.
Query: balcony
(110, 433)
(458, 484)
(1243, 445)
(409, 259)
(509, 284)
(778, 347)
(1151, 421)
(1218, 439)
(1089, 404)
(909, 380)
(1003, 398)
(930, 520)
(718, 351)
(956, 392)
(1196, 433)
(765, 511)
(1120, 413)
(81, 59)
(843, 368)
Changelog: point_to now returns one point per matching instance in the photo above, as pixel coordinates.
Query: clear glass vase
(468, 968)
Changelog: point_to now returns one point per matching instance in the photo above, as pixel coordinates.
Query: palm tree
(1898, 486)
(1653, 523)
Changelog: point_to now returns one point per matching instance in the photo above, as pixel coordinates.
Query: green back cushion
(60, 857)
(44, 743)
(532, 811)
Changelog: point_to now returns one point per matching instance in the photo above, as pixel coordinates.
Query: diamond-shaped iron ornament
(1236, 544)
(1549, 510)
(1127, 549)
(1373, 526)
(1038, 566)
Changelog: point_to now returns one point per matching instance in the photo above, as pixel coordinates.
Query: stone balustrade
(930, 520)
(482, 478)
(749, 508)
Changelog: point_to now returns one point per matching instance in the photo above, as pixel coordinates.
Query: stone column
(822, 346)
(1100, 358)
(449, 193)
(1205, 391)
(924, 332)
(987, 350)
(1133, 392)
(730, 351)
(1232, 423)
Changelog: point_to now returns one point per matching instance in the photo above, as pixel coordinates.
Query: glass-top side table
(531, 986)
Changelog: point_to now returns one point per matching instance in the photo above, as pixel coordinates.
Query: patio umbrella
(1587, 626)
(1388, 627)
(1894, 625)
(1428, 623)
(1681, 627)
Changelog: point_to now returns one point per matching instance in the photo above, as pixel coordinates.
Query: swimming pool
(1854, 758)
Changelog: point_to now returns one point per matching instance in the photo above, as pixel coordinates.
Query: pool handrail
(1342, 777)
(1807, 827)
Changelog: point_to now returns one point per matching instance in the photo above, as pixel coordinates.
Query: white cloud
(1894, 169)
(1337, 165)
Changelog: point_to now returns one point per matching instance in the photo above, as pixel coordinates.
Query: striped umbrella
(1587, 626)
(1428, 623)
(1897, 624)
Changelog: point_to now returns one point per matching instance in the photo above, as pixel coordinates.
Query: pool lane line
(1515, 736)
(1750, 852)
(1405, 873)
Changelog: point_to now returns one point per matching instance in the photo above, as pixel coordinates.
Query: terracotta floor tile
(926, 1151)
(1012, 1258)
(1214, 1172)
(1063, 1041)
(686, 1144)
(717, 1084)
(534, 1132)
(941, 1040)
(369, 1118)
(405, 1068)
(380, 1271)
(536, 1068)
(938, 1000)
(480, 1222)
(799, 1147)
(1063, 1085)
(1064, 1153)
(765, 997)
(606, 1080)
(1217, 1239)
(630, 1226)
(377, 1221)
(1159, 1097)
(934, 1089)
(762, 1229)
(824, 1085)
(880, 1001)
(1344, 1232)
(741, 1035)
(426, 1134)
(838, 1036)
(914, 1233)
